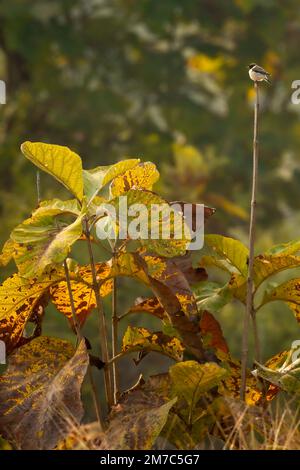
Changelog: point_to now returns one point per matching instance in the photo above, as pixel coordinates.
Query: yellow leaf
(191, 379)
(231, 250)
(60, 162)
(40, 392)
(19, 298)
(141, 339)
(142, 176)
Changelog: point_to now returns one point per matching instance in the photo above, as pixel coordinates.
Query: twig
(250, 283)
(114, 334)
(102, 329)
(38, 186)
(79, 338)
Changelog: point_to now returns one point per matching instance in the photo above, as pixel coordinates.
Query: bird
(258, 74)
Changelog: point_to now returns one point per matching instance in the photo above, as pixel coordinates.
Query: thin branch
(38, 186)
(79, 338)
(114, 335)
(102, 322)
(250, 283)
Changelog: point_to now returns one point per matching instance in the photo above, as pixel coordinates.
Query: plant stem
(38, 186)
(73, 310)
(250, 283)
(257, 349)
(79, 338)
(115, 322)
(102, 329)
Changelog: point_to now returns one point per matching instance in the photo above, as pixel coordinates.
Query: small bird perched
(258, 74)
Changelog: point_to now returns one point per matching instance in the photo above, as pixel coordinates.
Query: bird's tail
(268, 80)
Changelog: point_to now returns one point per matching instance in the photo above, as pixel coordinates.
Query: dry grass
(275, 428)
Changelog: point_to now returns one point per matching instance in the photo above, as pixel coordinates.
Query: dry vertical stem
(249, 312)
(79, 338)
(115, 322)
(103, 328)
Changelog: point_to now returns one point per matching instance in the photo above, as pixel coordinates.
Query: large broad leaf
(41, 241)
(230, 250)
(40, 393)
(170, 288)
(191, 379)
(60, 162)
(150, 219)
(288, 292)
(20, 299)
(139, 419)
(95, 179)
(142, 176)
(141, 339)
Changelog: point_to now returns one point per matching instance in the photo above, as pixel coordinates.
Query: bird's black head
(250, 66)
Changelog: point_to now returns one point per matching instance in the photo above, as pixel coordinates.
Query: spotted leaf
(40, 393)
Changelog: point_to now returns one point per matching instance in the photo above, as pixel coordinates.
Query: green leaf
(230, 250)
(41, 240)
(191, 379)
(210, 296)
(141, 339)
(60, 162)
(40, 393)
(94, 180)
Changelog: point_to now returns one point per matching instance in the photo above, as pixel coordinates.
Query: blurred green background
(166, 81)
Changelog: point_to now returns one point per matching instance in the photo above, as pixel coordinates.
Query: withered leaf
(19, 298)
(40, 393)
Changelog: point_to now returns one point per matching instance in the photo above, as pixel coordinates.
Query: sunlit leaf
(60, 162)
(7, 252)
(231, 250)
(152, 222)
(288, 292)
(285, 249)
(40, 392)
(83, 295)
(19, 299)
(41, 241)
(142, 176)
(95, 179)
(268, 265)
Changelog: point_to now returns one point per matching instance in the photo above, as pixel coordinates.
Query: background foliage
(166, 82)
